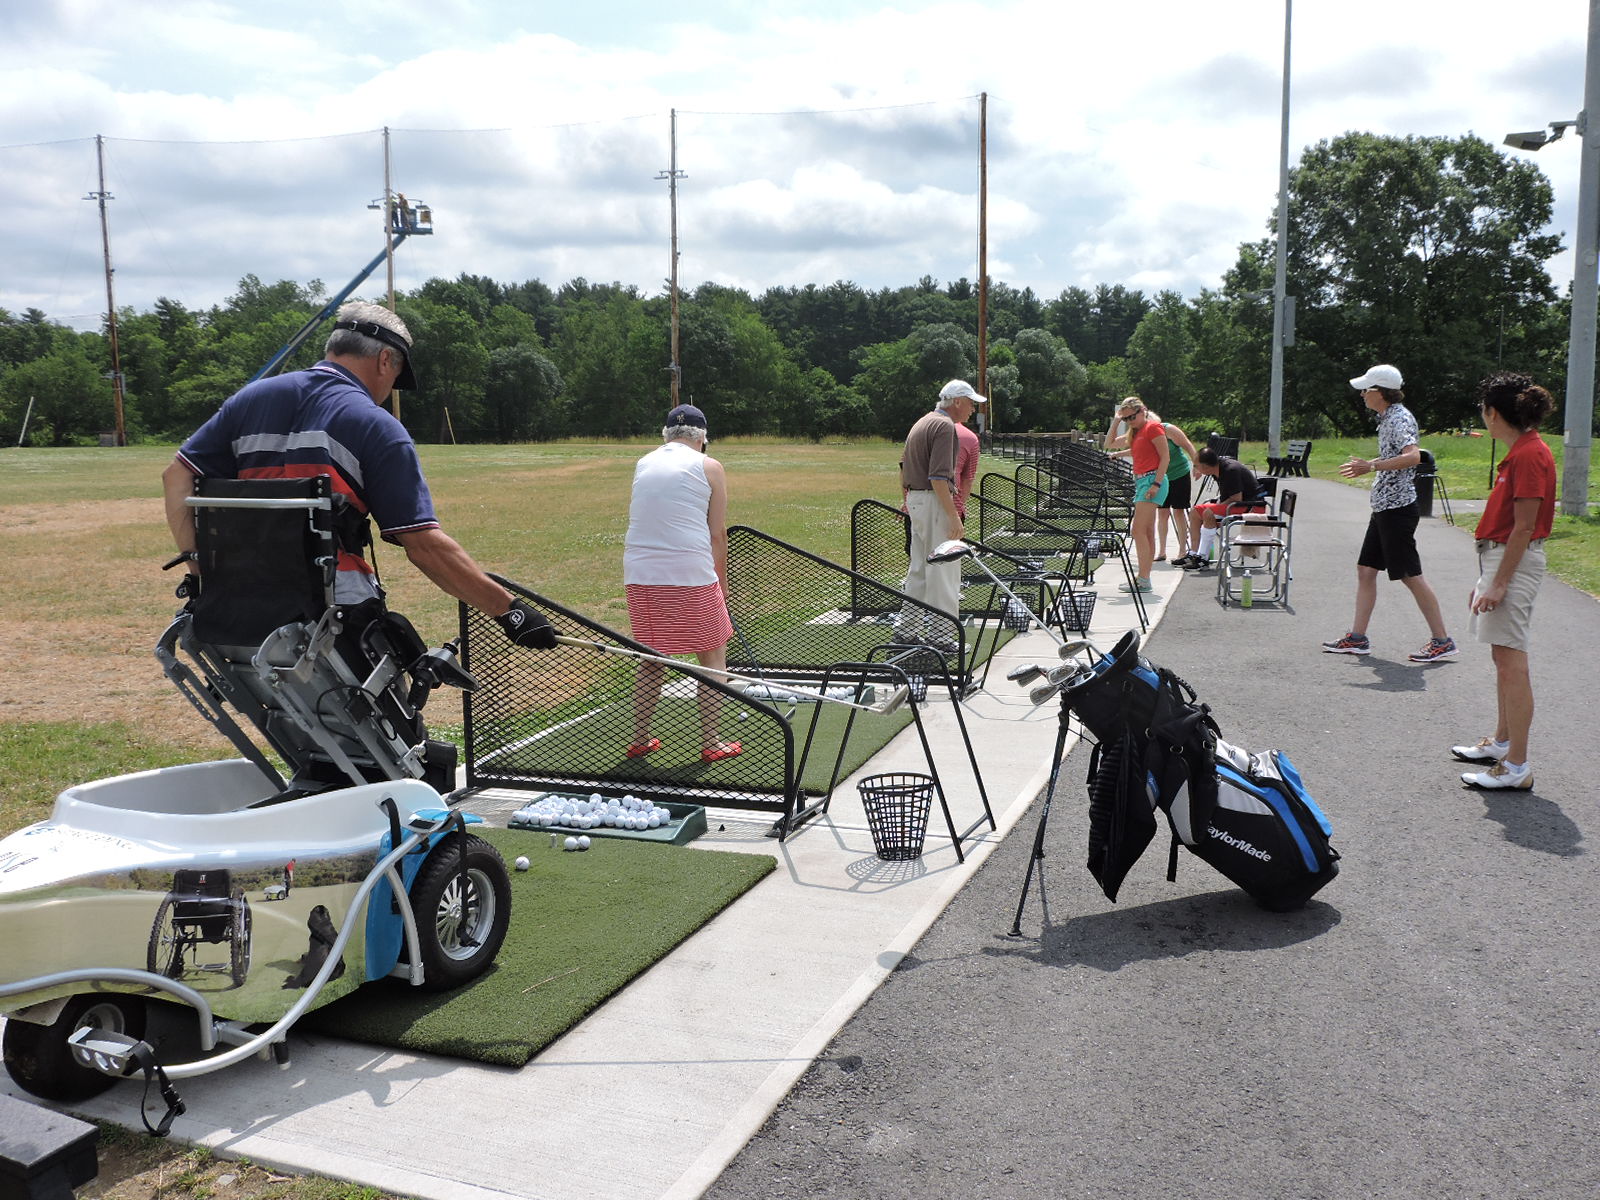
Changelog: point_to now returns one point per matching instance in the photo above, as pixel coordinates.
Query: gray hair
(943, 403)
(359, 345)
(684, 433)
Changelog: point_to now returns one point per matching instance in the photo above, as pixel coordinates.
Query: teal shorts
(1141, 485)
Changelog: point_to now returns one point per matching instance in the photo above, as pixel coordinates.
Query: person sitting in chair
(328, 420)
(1238, 491)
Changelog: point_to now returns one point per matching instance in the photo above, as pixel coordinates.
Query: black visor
(407, 381)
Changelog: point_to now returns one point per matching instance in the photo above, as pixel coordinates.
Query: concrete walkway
(657, 1090)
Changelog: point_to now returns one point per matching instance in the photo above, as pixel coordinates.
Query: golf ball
(583, 842)
(744, 716)
(522, 862)
(571, 843)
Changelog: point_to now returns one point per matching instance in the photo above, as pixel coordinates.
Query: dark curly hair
(1521, 402)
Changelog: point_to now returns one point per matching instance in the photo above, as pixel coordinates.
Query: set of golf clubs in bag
(1157, 748)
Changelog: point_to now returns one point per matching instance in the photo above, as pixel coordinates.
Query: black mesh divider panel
(563, 720)
(878, 551)
(796, 614)
(879, 543)
(262, 567)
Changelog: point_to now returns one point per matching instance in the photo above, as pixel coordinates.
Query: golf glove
(528, 627)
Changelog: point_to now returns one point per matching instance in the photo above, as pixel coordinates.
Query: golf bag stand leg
(1037, 853)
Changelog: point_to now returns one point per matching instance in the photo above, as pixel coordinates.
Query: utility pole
(1577, 436)
(1280, 285)
(985, 420)
(672, 175)
(388, 249)
(111, 300)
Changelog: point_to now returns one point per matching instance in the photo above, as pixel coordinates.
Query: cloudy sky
(1133, 142)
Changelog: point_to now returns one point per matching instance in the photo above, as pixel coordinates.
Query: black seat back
(268, 556)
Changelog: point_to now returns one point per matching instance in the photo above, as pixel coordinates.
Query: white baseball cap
(960, 387)
(1380, 376)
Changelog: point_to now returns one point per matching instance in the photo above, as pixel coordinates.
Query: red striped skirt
(678, 620)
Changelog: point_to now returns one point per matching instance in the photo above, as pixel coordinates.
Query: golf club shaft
(984, 567)
(889, 705)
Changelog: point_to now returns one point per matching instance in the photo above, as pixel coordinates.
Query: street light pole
(1280, 279)
(1585, 281)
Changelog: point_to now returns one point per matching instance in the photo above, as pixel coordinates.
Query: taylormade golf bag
(1247, 815)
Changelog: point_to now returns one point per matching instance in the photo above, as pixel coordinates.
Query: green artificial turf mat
(583, 925)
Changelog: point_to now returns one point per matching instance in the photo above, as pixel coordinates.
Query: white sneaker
(1486, 751)
(1503, 776)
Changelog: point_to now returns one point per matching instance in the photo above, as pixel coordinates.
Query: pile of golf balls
(557, 812)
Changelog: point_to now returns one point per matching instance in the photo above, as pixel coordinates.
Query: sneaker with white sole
(1503, 776)
(1437, 650)
(1350, 643)
(1486, 751)
(1143, 585)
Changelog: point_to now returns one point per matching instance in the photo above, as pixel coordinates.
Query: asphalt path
(1427, 1026)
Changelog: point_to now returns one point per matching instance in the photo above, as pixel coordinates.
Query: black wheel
(239, 939)
(459, 934)
(39, 1060)
(164, 955)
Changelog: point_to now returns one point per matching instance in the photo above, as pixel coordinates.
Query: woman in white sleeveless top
(675, 570)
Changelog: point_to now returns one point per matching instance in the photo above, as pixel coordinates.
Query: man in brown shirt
(928, 478)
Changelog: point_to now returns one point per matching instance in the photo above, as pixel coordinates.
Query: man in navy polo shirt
(328, 420)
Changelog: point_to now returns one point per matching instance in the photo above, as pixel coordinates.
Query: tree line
(1424, 251)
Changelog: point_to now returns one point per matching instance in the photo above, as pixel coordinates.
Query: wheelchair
(203, 908)
(336, 689)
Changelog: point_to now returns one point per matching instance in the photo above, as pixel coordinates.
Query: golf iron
(889, 704)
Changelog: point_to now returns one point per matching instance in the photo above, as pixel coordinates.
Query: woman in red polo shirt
(1511, 565)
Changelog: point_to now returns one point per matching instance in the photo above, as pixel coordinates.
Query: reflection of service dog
(323, 935)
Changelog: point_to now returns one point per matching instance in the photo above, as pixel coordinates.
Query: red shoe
(649, 747)
(721, 751)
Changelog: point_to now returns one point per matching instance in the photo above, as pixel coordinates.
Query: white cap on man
(957, 388)
(1380, 376)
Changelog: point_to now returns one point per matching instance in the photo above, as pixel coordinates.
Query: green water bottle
(1246, 590)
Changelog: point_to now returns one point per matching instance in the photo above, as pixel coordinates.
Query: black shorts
(1391, 543)
(1178, 491)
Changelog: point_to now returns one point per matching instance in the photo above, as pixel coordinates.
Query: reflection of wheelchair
(202, 907)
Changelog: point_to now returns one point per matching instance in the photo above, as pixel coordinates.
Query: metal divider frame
(878, 551)
(800, 614)
(562, 719)
(1009, 529)
(895, 670)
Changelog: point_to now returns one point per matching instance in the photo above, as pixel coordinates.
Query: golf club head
(1025, 674)
(1066, 674)
(896, 701)
(949, 551)
(1075, 647)
(1043, 693)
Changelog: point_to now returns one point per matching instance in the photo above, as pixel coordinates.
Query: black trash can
(897, 813)
(1427, 472)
